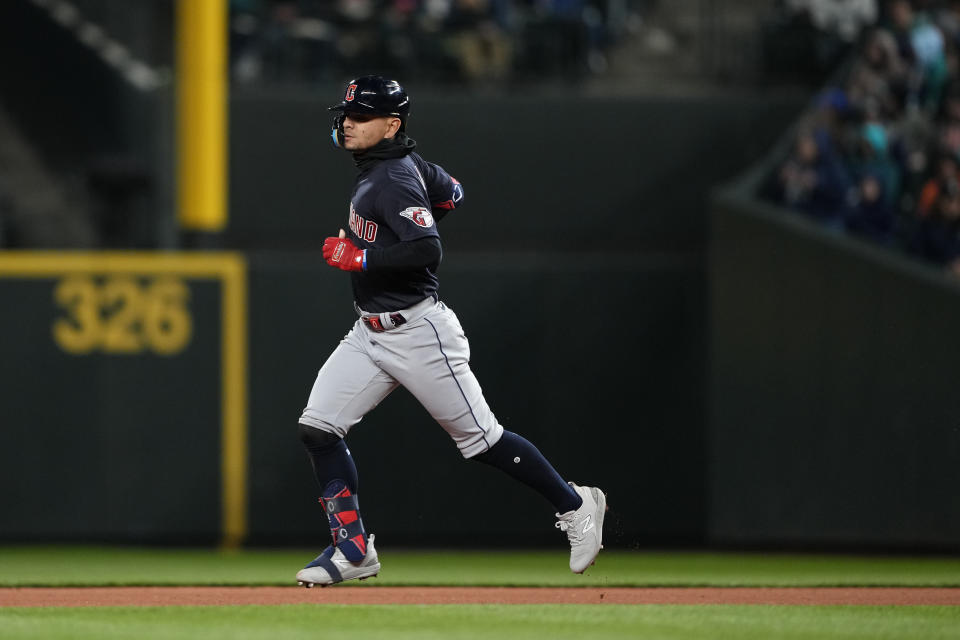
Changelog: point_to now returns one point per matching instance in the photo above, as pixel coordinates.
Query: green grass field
(482, 622)
(97, 566)
(94, 566)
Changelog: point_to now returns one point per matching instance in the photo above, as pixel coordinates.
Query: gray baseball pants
(428, 354)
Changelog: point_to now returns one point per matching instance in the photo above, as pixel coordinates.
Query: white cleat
(584, 527)
(331, 567)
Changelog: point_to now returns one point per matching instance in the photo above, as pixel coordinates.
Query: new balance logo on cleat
(587, 524)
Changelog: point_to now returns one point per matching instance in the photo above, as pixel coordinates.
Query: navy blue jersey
(398, 200)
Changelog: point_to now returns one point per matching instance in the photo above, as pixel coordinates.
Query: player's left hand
(340, 252)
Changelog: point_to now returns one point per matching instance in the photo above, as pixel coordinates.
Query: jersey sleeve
(443, 190)
(404, 206)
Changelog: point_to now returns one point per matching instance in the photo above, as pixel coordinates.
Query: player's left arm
(444, 192)
(454, 191)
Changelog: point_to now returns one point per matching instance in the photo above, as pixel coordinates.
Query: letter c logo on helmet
(351, 92)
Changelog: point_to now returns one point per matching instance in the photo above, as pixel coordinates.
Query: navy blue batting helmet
(372, 95)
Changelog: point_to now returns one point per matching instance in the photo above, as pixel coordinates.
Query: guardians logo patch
(419, 215)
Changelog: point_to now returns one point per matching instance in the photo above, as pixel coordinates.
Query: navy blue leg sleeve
(330, 458)
(519, 459)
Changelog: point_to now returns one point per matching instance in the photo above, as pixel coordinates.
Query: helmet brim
(359, 107)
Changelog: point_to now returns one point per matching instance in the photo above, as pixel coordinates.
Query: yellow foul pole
(202, 115)
(202, 207)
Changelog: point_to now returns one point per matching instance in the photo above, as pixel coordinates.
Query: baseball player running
(405, 336)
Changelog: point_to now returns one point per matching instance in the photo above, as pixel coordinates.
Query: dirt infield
(169, 596)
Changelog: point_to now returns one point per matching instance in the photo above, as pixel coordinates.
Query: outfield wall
(576, 267)
(107, 437)
(830, 416)
(834, 418)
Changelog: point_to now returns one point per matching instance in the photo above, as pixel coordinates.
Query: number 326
(122, 315)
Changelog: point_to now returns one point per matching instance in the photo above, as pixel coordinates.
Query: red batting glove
(343, 254)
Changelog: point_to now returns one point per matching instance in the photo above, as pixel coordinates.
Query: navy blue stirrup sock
(519, 459)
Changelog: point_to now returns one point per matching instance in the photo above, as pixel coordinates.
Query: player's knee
(315, 438)
(472, 446)
(477, 443)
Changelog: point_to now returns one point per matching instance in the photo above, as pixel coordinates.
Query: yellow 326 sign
(121, 314)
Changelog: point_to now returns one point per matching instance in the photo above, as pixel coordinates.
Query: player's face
(361, 131)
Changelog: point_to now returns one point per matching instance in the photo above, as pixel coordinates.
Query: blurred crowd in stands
(438, 40)
(878, 154)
